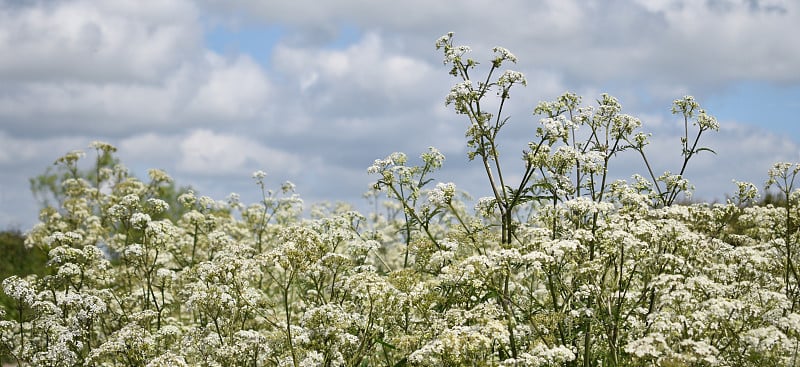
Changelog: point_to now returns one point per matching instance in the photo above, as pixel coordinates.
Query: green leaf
(423, 183)
(385, 344)
(705, 149)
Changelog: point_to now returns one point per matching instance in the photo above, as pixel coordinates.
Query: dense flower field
(563, 267)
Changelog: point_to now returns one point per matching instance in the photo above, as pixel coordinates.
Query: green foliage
(106, 169)
(47, 186)
(18, 260)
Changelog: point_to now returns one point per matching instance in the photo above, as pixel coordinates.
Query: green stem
(289, 320)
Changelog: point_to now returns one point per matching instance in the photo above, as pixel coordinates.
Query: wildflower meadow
(560, 266)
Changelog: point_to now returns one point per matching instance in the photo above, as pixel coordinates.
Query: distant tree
(106, 170)
(46, 187)
(773, 198)
(18, 260)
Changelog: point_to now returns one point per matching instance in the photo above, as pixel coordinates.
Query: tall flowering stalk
(565, 178)
(466, 97)
(782, 177)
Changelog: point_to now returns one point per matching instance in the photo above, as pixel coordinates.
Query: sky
(314, 91)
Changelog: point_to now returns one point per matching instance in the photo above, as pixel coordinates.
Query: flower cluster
(564, 267)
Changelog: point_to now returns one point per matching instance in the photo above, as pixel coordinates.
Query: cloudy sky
(313, 91)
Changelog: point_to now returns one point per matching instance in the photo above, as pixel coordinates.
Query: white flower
(486, 206)
(165, 274)
(453, 54)
(584, 205)
(117, 211)
(707, 122)
(444, 40)
(553, 128)
(623, 125)
(187, 199)
(288, 187)
(558, 248)
(206, 202)
(592, 161)
(134, 250)
(69, 270)
(442, 195)
(503, 54)
(168, 359)
(131, 200)
(158, 175)
(157, 205)
(62, 238)
(461, 95)
(433, 158)
(312, 359)
(140, 220)
(101, 145)
(648, 346)
(510, 77)
(259, 175)
(766, 338)
(394, 159)
(449, 244)
(685, 105)
(19, 289)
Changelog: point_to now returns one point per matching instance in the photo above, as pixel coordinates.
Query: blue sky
(313, 92)
(767, 105)
(256, 41)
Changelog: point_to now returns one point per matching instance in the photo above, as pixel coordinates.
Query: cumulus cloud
(744, 153)
(150, 147)
(367, 70)
(21, 152)
(114, 68)
(95, 41)
(699, 42)
(21, 159)
(221, 90)
(204, 152)
(232, 90)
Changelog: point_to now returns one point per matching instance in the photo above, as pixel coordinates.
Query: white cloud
(366, 65)
(685, 42)
(115, 68)
(363, 94)
(150, 147)
(215, 90)
(233, 89)
(36, 152)
(745, 153)
(204, 152)
(95, 40)
(22, 158)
